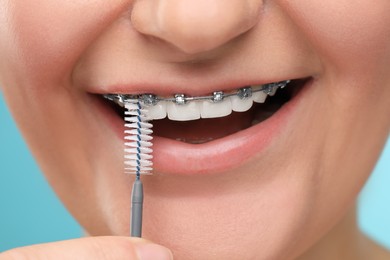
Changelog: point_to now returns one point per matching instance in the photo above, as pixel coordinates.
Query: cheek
(353, 42)
(43, 39)
(352, 39)
(349, 34)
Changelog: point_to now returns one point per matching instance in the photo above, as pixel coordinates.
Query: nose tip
(195, 26)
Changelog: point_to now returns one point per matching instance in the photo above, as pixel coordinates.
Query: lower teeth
(255, 122)
(195, 141)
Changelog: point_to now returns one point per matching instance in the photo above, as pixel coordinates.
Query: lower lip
(218, 156)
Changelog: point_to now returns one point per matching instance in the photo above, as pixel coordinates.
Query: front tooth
(210, 109)
(241, 105)
(157, 111)
(259, 97)
(183, 112)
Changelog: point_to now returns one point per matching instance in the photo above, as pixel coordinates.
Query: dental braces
(181, 99)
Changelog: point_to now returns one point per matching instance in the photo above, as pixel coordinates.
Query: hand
(94, 248)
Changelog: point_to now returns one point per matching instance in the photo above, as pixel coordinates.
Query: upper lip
(191, 88)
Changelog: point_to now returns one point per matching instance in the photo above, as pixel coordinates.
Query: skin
(300, 206)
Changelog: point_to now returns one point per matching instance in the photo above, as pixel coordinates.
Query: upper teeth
(184, 108)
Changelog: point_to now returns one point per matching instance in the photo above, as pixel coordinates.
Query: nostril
(195, 26)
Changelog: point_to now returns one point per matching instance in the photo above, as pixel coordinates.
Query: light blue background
(30, 213)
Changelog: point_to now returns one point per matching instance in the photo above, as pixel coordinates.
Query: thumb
(97, 248)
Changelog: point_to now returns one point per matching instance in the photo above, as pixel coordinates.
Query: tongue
(202, 130)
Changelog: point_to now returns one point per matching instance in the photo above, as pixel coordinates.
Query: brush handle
(137, 199)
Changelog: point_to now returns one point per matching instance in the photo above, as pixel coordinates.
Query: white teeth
(203, 109)
(195, 110)
(157, 111)
(241, 105)
(185, 112)
(259, 97)
(211, 109)
(184, 108)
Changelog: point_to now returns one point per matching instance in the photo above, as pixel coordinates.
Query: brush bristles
(137, 140)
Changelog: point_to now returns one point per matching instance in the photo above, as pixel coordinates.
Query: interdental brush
(137, 157)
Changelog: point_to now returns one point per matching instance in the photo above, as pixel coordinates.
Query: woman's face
(247, 190)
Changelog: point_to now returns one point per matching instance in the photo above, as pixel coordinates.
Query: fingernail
(147, 251)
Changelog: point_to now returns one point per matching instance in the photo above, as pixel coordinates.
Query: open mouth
(204, 121)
